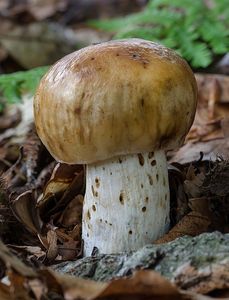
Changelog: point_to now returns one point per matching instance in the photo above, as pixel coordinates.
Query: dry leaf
(72, 214)
(192, 224)
(13, 263)
(52, 245)
(61, 178)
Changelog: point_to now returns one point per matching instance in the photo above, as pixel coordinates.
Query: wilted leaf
(52, 245)
(24, 208)
(72, 214)
(60, 180)
(13, 263)
(192, 224)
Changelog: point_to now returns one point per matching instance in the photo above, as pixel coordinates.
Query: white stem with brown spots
(126, 204)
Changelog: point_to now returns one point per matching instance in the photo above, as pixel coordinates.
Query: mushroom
(117, 107)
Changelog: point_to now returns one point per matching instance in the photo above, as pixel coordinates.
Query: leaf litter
(41, 204)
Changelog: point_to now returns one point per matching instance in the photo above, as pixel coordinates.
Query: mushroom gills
(126, 204)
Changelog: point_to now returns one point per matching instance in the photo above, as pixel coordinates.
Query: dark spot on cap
(110, 224)
(144, 65)
(157, 177)
(142, 185)
(120, 161)
(92, 58)
(130, 232)
(117, 54)
(134, 55)
(142, 102)
(106, 221)
(93, 207)
(153, 162)
(143, 209)
(147, 199)
(110, 173)
(100, 220)
(121, 198)
(141, 159)
(169, 84)
(77, 110)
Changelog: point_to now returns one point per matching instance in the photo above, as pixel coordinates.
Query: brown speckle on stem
(130, 232)
(93, 207)
(121, 197)
(153, 163)
(143, 209)
(97, 182)
(150, 155)
(141, 159)
(150, 179)
(93, 190)
(88, 215)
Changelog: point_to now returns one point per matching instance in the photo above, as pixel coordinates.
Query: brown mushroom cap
(115, 98)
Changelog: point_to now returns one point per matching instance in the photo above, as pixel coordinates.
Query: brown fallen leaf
(210, 128)
(17, 286)
(52, 250)
(13, 263)
(141, 286)
(193, 223)
(5, 292)
(61, 178)
(72, 214)
(208, 83)
(211, 151)
(69, 250)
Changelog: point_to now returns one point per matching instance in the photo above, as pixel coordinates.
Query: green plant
(194, 30)
(13, 85)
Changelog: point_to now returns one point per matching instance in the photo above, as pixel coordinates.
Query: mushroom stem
(126, 203)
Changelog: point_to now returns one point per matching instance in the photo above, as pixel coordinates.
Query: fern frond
(14, 84)
(190, 27)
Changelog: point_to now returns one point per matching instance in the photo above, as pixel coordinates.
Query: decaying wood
(199, 264)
